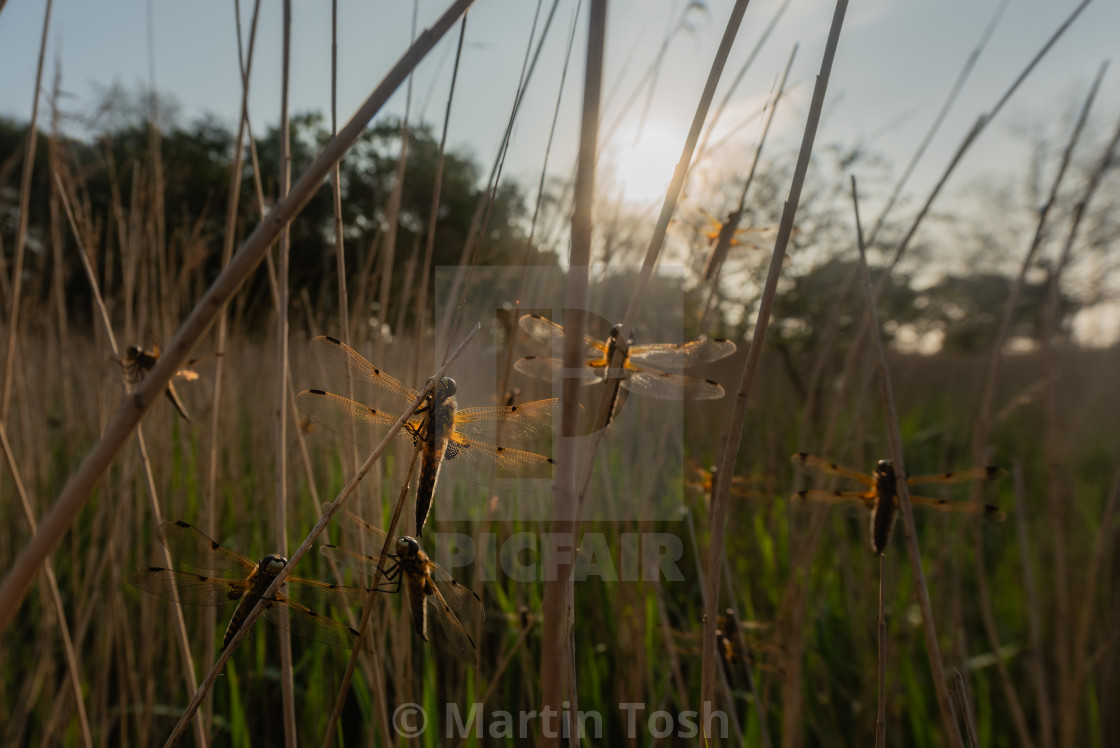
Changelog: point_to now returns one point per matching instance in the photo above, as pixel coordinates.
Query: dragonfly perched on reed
(880, 495)
(469, 442)
(649, 370)
(137, 362)
(245, 584)
(424, 580)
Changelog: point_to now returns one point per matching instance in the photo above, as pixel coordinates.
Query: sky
(897, 60)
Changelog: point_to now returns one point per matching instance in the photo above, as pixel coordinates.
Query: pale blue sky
(897, 60)
(895, 64)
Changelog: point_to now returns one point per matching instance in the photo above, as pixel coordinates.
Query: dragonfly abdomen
(884, 511)
(441, 422)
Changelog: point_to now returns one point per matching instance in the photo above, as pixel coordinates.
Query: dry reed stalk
(911, 535)
(1059, 494)
(832, 325)
(280, 509)
(657, 241)
(389, 244)
(233, 201)
(978, 127)
(982, 423)
(21, 226)
(1084, 661)
(881, 637)
(575, 301)
(966, 710)
(73, 670)
(481, 218)
(744, 650)
(982, 428)
(97, 460)
(557, 648)
(713, 284)
(496, 678)
(507, 366)
(301, 551)
(336, 188)
(58, 283)
(946, 107)
(722, 480)
(724, 682)
(433, 215)
(1034, 626)
(153, 496)
(367, 613)
(702, 148)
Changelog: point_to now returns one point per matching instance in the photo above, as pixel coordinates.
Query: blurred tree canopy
(109, 181)
(964, 311)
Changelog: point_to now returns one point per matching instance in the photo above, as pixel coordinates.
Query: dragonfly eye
(133, 351)
(273, 563)
(448, 385)
(884, 467)
(407, 546)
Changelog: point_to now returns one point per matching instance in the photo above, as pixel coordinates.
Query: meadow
(674, 603)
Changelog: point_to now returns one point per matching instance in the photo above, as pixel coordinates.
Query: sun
(641, 171)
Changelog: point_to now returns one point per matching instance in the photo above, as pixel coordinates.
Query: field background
(1001, 273)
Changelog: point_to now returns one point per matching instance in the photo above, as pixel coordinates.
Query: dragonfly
(137, 362)
(722, 236)
(881, 494)
(246, 583)
(700, 480)
(423, 579)
(642, 365)
(469, 441)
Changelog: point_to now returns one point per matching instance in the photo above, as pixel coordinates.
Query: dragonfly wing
(806, 460)
(462, 600)
(187, 588)
(323, 593)
(477, 448)
(551, 369)
(356, 422)
(546, 331)
(671, 356)
(662, 385)
(484, 462)
(513, 423)
(191, 546)
(354, 376)
(958, 476)
(461, 642)
(987, 511)
(304, 622)
(866, 498)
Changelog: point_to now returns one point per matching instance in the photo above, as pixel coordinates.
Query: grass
(806, 589)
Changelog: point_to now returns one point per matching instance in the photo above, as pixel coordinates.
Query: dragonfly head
(447, 387)
(133, 351)
(615, 338)
(272, 564)
(884, 468)
(407, 546)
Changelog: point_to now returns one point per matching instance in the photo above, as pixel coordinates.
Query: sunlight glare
(641, 171)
